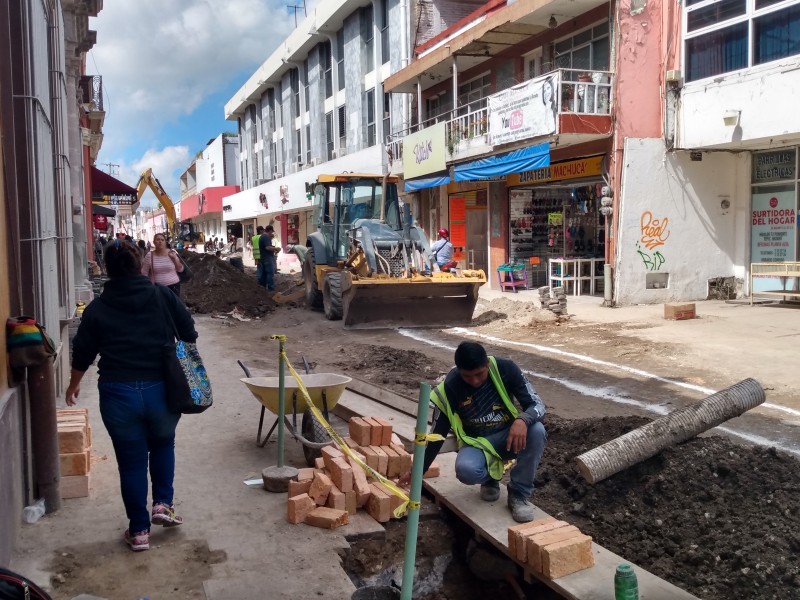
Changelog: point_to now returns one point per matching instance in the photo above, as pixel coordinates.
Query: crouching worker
(475, 401)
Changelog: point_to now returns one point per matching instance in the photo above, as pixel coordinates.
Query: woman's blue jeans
(143, 432)
(471, 463)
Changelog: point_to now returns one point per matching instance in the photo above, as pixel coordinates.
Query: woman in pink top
(162, 265)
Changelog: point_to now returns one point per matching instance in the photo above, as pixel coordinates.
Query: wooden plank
(384, 396)
(74, 486)
(491, 522)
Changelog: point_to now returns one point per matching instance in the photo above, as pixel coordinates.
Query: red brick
(395, 500)
(396, 441)
(74, 486)
(351, 501)
(327, 518)
(328, 454)
(319, 463)
(680, 312)
(320, 488)
(523, 549)
(405, 458)
(518, 531)
(433, 471)
(341, 474)
(299, 487)
(360, 483)
(360, 431)
(394, 464)
(351, 443)
(336, 499)
(379, 505)
(371, 457)
(383, 459)
(72, 439)
(376, 431)
(299, 507)
(305, 474)
(569, 556)
(77, 463)
(386, 431)
(535, 543)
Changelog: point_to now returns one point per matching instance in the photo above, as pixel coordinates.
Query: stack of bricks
(337, 486)
(74, 448)
(550, 547)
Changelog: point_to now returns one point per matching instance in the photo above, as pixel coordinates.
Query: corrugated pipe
(670, 430)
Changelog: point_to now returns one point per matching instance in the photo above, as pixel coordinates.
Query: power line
(297, 7)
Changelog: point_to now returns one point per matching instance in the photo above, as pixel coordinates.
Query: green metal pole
(416, 492)
(281, 400)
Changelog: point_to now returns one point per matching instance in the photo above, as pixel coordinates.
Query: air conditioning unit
(277, 174)
(296, 167)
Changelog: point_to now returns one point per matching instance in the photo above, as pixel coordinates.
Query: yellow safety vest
(256, 250)
(493, 461)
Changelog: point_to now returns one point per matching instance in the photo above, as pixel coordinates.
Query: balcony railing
(91, 88)
(579, 92)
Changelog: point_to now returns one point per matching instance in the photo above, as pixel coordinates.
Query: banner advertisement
(773, 231)
(524, 111)
(424, 152)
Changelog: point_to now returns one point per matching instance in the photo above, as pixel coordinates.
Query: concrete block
(327, 518)
(297, 488)
(298, 508)
(360, 431)
(320, 488)
(680, 311)
(569, 556)
(78, 463)
(535, 543)
(74, 486)
(341, 474)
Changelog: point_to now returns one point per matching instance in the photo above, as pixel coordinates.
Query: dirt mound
(512, 314)
(218, 287)
(717, 519)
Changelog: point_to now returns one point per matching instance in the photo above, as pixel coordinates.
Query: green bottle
(626, 587)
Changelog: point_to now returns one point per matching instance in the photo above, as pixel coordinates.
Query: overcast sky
(169, 67)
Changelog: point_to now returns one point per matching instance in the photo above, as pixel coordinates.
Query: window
(340, 58)
(298, 141)
(294, 82)
(387, 116)
(587, 50)
(308, 144)
(329, 134)
(325, 65)
(305, 83)
(342, 118)
(370, 100)
(385, 44)
(368, 38)
(475, 91)
(727, 35)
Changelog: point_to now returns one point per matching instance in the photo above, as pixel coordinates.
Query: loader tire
(332, 296)
(313, 295)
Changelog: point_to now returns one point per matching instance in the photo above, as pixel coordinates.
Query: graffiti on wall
(655, 233)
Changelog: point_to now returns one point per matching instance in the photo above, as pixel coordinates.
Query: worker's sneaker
(521, 509)
(490, 491)
(138, 541)
(164, 514)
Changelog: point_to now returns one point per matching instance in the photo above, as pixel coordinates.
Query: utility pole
(111, 168)
(297, 7)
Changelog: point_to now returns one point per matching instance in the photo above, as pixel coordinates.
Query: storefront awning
(104, 184)
(524, 159)
(414, 185)
(98, 209)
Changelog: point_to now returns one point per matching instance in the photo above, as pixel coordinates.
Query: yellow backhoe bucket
(439, 301)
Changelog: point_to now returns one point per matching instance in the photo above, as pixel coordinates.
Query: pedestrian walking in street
(163, 265)
(269, 253)
(475, 401)
(127, 326)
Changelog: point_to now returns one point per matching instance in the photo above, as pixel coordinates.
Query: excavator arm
(147, 179)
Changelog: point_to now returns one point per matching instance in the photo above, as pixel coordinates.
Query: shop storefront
(774, 234)
(554, 224)
(468, 223)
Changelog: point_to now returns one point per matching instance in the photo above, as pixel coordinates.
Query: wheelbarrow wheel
(313, 431)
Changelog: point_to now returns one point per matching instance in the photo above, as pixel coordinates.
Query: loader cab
(340, 205)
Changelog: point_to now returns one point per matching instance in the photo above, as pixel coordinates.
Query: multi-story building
(317, 105)
(45, 213)
(212, 176)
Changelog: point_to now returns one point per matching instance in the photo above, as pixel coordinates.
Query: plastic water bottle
(626, 586)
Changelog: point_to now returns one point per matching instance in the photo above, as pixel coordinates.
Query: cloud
(167, 164)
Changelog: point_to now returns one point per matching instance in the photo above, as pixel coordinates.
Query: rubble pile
(554, 300)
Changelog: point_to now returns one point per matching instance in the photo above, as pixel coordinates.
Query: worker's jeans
(261, 274)
(142, 430)
(471, 462)
(268, 268)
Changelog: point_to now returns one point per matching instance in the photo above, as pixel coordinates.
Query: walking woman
(163, 264)
(128, 325)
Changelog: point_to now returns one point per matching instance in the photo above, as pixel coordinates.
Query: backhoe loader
(367, 265)
(183, 231)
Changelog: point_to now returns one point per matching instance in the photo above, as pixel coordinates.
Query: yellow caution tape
(397, 491)
(423, 438)
(413, 505)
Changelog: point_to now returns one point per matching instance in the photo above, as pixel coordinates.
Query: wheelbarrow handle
(299, 436)
(244, 368)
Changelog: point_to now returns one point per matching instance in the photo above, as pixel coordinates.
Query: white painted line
(604, 393)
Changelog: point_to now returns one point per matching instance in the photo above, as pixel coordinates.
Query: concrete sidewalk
(760, 341)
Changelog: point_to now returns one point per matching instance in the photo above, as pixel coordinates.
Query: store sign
(115, 200)
(524, 111)
(774, 223)
(570, 169)
(774, 166)
(424, 152)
